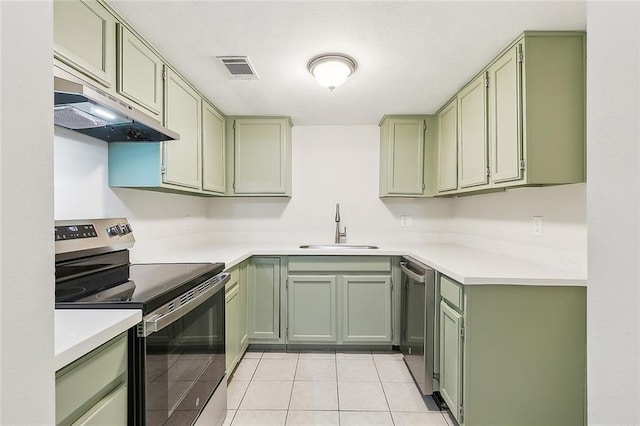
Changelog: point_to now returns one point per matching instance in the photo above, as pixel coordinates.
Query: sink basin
(338, 246)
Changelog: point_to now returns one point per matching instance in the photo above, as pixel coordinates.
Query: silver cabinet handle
(163, 316)
(405, 269)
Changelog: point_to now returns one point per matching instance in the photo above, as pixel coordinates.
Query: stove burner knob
(125, 229)
(113, 231)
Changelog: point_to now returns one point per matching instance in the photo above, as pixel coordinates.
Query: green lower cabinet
(520, 358)
(312, 308)
(340, 300)
(232, 317)
(366, 309)
(263, 300)
(243, 337)
(235, 298)
(451, 331)
(93, 389)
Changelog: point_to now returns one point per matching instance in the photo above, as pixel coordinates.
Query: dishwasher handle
(167, 314)
(404, 266)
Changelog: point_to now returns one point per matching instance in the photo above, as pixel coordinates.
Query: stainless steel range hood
(86, 109)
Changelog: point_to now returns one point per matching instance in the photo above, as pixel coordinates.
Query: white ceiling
(412, 55)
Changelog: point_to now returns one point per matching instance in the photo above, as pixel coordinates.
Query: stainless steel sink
(338, 246)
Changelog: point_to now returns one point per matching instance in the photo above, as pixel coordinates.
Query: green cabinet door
(402, 156)
(447, 143)
(366, 308)
(472, 134)
(232, 315)
(183, 115)
(139, 72)
(85, 39)
(262, 156)
(505, 112)
(451, 330)
(312, 308)
(213, 150)
(263, 299)
(243, 337)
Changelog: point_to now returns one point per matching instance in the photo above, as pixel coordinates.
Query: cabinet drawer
(366, 264)
(111, 410)
(82, 384)
(451, 291)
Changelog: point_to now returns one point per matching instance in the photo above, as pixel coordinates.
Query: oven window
(184, 364)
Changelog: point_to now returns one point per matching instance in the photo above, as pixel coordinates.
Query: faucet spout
(339, 234)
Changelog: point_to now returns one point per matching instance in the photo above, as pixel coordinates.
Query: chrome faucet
(338, 233)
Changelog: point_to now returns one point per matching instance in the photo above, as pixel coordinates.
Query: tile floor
(327, 388)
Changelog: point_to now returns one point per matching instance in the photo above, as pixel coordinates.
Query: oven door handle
(404, 266)
(160, 318)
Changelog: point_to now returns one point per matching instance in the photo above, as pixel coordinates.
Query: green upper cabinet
(139, 72)
(403, 156)
(261, 160)
(521, 121)
(213, 150)
(447, 147)
(174, 166)
(543, 76)
(84, 39)
(183, 115)
(505, 111)
(472, 134)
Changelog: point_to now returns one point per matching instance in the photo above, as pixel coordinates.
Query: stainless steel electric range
(177, 352)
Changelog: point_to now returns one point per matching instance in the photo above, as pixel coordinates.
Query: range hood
(86, 109)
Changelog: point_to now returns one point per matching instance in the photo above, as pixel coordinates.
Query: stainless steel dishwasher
(418, 321)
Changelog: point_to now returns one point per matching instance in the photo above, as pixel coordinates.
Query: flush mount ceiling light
(331, 70)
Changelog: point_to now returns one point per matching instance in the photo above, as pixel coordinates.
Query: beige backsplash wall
(503, 222)
(330, 164)
(81, 191)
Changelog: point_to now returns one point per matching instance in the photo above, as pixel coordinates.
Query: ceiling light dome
(331, 70)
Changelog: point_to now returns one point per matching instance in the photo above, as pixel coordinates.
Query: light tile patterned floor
(327, 388)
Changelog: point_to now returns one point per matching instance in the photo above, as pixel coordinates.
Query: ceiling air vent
(239, 67)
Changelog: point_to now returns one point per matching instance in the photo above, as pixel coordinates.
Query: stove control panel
(91, 236)
(74, 232)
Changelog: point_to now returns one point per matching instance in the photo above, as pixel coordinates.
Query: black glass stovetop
(137, 286)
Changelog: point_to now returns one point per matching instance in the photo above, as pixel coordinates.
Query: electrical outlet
(537, 226)
(406, 221)
(188, 223)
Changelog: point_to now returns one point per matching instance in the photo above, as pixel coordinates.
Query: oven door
(182, 356)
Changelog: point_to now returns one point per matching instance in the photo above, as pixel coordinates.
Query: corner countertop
(469, 266)
(79, 331)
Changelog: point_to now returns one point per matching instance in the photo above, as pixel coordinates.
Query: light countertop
(79, 331)
(466, 265)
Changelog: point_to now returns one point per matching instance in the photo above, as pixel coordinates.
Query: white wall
(26, 215)
(613, 212)
(331, 164)
(502, 222)
(82, 191)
